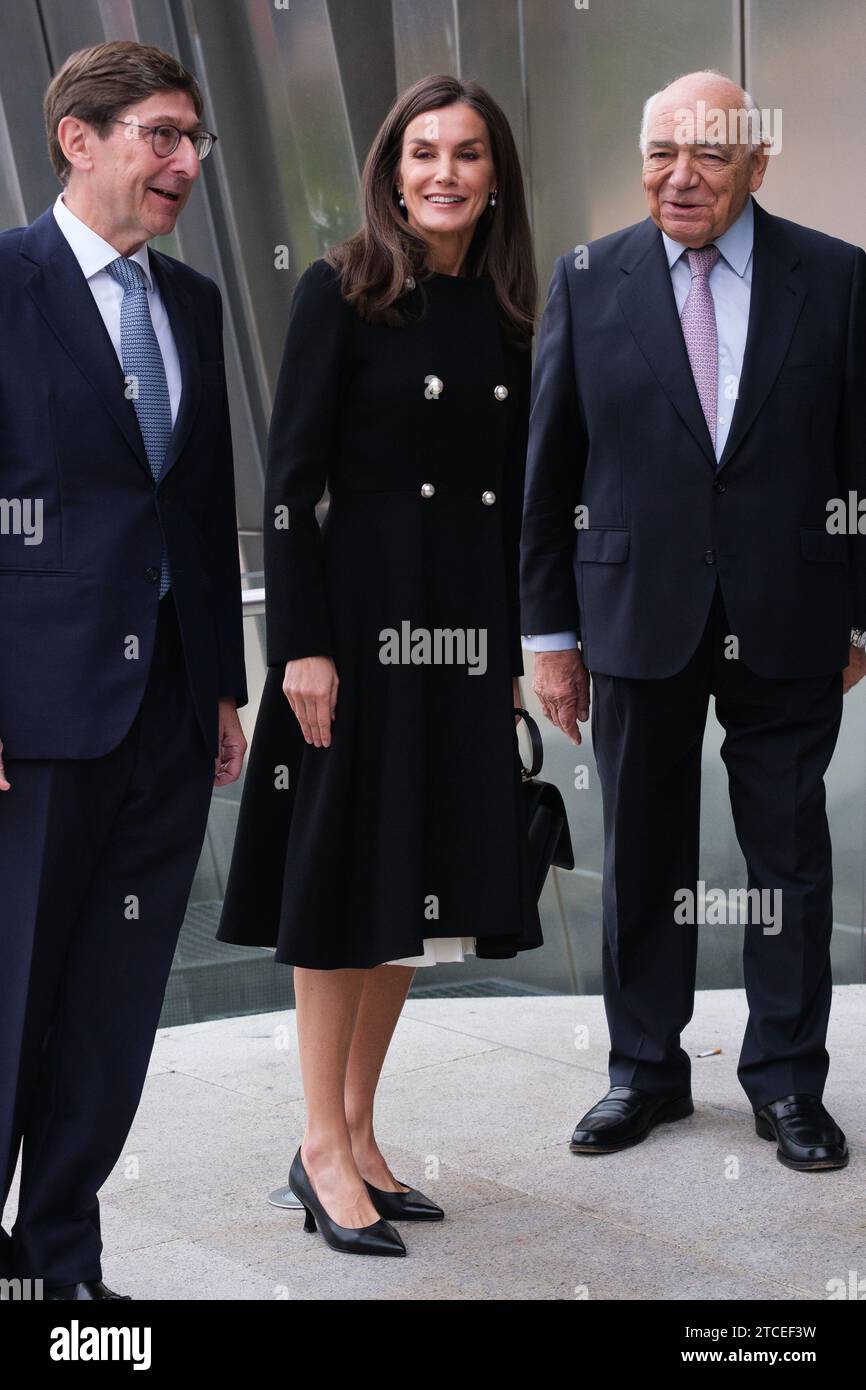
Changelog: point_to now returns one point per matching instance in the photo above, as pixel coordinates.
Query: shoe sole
(675, 1110)
(393, 1253)
(394, 1220)
(765, 1130)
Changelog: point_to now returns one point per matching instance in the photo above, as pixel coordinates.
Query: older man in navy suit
(699, 407)
(120, 634)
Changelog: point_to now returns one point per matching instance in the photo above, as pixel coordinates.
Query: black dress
(411, 824)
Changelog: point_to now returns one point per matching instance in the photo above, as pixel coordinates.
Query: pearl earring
(493, 198)
(400, 199)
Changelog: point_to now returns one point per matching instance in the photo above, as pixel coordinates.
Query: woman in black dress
(381, 823)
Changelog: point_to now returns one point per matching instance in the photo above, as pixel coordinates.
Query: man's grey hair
(748, 103)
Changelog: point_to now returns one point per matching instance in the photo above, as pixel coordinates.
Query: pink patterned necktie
(698, 319)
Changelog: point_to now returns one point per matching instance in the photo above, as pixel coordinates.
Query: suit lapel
(180, 315)
(647, 300)
(65, 301)
(774, 308)
(646, 297)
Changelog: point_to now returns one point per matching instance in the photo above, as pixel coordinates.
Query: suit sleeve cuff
(549, 641)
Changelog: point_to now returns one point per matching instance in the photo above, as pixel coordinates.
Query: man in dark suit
(699, 401)
(120, 634)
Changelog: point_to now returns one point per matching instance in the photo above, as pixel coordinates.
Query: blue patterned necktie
(142, 360)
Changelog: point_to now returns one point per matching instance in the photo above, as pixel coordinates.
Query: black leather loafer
(624, 1117)
(807, 1137)
(404, 1206)
(86, 1291)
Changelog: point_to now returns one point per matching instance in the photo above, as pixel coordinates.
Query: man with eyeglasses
(165, 139)
(121, 645)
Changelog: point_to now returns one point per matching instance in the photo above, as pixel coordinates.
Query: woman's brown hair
(376, 262)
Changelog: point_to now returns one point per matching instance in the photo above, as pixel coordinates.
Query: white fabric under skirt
(439, 950)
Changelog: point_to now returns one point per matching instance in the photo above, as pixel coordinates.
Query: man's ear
(760, 160)
(75, 138)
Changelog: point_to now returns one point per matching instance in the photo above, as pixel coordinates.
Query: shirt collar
(735, 244)
(92, 253)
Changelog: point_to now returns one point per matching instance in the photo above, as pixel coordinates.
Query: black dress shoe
(808, 1138)
(85, 1291)
(624, 1117)
(404, 1206)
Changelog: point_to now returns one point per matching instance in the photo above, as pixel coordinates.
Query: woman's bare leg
(327, 1007)
(382, 998)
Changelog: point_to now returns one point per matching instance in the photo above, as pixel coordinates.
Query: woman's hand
(310, 686)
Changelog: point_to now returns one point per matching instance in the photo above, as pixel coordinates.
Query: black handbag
(547, 822)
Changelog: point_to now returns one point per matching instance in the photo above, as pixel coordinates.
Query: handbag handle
(537, 745)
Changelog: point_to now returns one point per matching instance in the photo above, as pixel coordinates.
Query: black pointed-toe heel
(404, 1206)
(377, 1239)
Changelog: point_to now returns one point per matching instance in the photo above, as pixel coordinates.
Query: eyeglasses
(166, 138)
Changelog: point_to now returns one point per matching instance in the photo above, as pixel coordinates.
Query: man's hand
(310, 686)
(855, 670)
(233, 745)
(561, 682)
(4, 785)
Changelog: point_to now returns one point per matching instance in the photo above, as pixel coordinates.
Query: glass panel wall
(296, 93)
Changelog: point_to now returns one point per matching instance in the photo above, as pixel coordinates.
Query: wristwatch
(858, 638)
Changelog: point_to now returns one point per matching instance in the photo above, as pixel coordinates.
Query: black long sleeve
(300, 446)
(556, 461)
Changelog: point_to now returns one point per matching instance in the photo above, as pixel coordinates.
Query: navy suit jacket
(78, 611)
(617, 426)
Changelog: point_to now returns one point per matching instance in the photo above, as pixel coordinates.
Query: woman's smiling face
(446, 171)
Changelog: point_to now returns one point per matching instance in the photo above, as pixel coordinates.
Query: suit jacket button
(500, 392)
(488, 498)
(710, 557)
(151, 574)
(427, 489)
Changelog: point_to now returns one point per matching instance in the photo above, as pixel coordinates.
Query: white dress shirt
(93, 255)
(730, 284)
